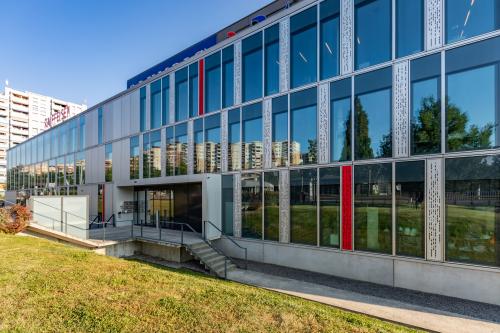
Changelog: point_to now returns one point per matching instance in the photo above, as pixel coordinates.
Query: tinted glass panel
(329, 195)
(181, 149)
(193, 89)
(228, 76)
(373, 208)
(340, 120)
(108, 162)
(165, 100)
(271, 206)
(303, 47)
(99, 126)
(409, 27)
(372, 32)
(303, 126)
(212, 144)
(212, 83)
(155, 116)
(155, 139)
(251, 205)
(410, 208)
(372, 119)
(142, 111)
(134, 157)
(170, 146)
(272, 65)
(234, 140)
(252, 67)
(472, 213)
(303, 206)
(227, 204)
(330, 38)
(252, 136)
(199, 149)
(181, 94)
(280, 131)
(146, 155)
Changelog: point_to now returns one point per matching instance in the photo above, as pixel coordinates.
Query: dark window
(472, 210)
(280, 131)
(426, 105)
(228, 76)
(227, 204)
(193, 90)
(271, 206)
(409, 27)
(234, 140)
(373, 208)
(155, 96)
(330, 38)
(303, 47)
(472, 108)
(340, 120)
(181, 94)
(212, 83)
(251, 205)
(252, 151)
(410, 208)
(199, 151)
(303, 126)
(329, 207)
(212, 144)
(372, 119)
(372, 32)
(303, 206)
(252, 67)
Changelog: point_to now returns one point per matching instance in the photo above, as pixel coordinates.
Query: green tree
(362, 137)
(427, 129)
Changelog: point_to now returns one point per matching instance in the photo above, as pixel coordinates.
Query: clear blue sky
(81, 50)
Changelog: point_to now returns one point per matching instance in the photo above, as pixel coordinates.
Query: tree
(427, 130)
(363, 142)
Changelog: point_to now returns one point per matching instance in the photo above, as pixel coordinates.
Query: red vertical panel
(347, 208)
(201, 81)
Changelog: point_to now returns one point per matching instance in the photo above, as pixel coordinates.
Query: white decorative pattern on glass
(224, 141)
(400, 109)
(237, 73)
(237, 205)
(347, 33)
(324, 124)
(284, 201)
(171, 99)
(267, 127)
(434, 200)
(190, 147)
(284, 54)
(433, 24)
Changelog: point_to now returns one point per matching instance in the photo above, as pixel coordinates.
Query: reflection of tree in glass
(385, 148)
(363, 141)
(346, 145)
(427, 130)
(312, 150)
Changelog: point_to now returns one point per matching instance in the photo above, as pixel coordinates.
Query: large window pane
(372, 119)
(134, 157)
(227, 204)
(373, 208)
(271, 206)
(199, 151)
(426, 105)
(80, 168)
(303, 124)
(60, 172)
(468, 18)
(409, 27)
(212, 83)
(329, 209)
(193, 90)
(165, 100)
(181, 94)
(234, 140)
(472, 214)
(303, 47)
(155, 100)
(228, 76)
(252, 67)
(280, 131)
(212, 144)
(181, 150)
(155, 139)
(70, 169)
(252, 151)
(82, 134)
(108, 162)
(410, 208)
(170, 147)
(340, 120)
(272, 65)
(330, 38)
(146, 155)
(372, 32)
(142, 112)
(251, 205)
(472, 110)
(303, 206)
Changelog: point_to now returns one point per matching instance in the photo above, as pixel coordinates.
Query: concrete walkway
(387, 309)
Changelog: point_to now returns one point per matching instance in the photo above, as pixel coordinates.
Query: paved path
(409, 314)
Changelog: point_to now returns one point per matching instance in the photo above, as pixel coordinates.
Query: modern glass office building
(357, 138)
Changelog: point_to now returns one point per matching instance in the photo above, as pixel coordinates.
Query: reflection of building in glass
(280, 153)
(212, 156)
(295, 155)
(199, 158)
(155, 161)
(234, 158)
(252, 155)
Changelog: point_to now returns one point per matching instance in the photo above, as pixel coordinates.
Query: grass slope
(46, 286)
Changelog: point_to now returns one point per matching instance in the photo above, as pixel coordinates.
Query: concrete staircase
(212, 260)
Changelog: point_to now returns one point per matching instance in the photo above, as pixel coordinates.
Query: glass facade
(181, 94)
(409, 27)
(340, 120)
(303, 47)
(252, 67)
(181, 149)
(251, 205)
(280, 131)
(108, 162)
(193, 90)
(199, 147)
(234, 140)
(228, 76)
(212, 144)
(134, 157)
(213, 82)
(155, 154)
(272, 60)
(329, 206)
(329, 38)
(155, 104)
(142, 111)
(165, 100)
(303, 127)
(251, 129)
(271, 206)
(227, 204)
(170, 151)
(303, 206)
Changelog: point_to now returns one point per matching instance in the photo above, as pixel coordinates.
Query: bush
(14, 219)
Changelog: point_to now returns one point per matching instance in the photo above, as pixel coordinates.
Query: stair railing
(204, 234)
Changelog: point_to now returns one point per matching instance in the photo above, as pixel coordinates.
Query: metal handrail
(111, 217)
(93, 222)
(227, 237)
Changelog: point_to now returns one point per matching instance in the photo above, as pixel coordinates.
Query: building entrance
(171, 203)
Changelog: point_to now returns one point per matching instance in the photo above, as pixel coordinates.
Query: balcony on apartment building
(16, 139)
(19, 116)
(19, 99)
(19, 131)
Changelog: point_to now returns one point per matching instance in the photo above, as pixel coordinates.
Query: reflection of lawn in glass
(470, 234)
(271, 222)
(303, 224)
(330, 225)
(251, 223)
(384, 234)
(409, 229)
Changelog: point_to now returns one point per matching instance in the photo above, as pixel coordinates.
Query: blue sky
(86, 50)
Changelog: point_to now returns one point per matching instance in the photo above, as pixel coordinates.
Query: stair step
(219, 265)
(209, 256)
(199, 246)
(213, 261)
(230, 268)
(204, 252)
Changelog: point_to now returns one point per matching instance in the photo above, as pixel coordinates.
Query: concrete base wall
(170, 253)
(456, 280)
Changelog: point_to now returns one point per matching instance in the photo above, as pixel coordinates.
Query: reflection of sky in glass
(213, 135)
(330, 36)
(473, 92)
(272, 68)
(198, 137)
(252, 67)
(303, 125)
(303, 57)
(234, 132)
(280, 126)
(227, 76)
(419, 91)
(377, 106)
(341, 110)
(373, 33)
(252, 130)
(466, 18)
(409, 29)
(181, 103)
(212, 89)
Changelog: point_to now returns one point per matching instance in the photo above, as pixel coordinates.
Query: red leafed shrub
(14, 219)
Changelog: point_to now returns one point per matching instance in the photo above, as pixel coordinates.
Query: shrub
(14, 219)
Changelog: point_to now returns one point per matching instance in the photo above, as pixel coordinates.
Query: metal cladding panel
(237, 73)
(135, 111)
(267, 128)
(324, 124)
(284, 206)
(201, 86)
(433, 24)
(88, 169)
(107, 122)
(284, 54)
(91, 128)
(347, 208)
(117, 159)
(124, 115)
(171, 99)
(117, 115)
(434, 211)
(99, 164)
(190, 147)
(237, 205)
(147, 124)
(401, 108)
(347, 36)
(224, 140)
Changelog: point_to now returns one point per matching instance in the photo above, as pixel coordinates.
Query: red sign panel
(347, 208)
(58, 117)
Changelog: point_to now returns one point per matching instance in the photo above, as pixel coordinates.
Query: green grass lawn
(49, 287)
